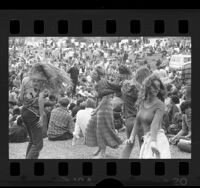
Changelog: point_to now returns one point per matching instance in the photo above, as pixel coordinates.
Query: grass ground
(65, 150)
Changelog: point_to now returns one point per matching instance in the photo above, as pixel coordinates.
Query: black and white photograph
(99, 97)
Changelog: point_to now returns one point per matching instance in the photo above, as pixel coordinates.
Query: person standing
(32, 98)
(130, 90)
(100, 131)
(150, 117)
(41, 76)
(74, 73)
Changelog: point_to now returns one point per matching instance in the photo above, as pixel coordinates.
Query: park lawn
(65, 150)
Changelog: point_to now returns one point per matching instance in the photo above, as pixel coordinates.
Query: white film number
(180, 181)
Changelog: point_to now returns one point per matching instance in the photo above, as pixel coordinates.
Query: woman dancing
(42, 77)
(100, 131)
(130, 89)
(150, 117)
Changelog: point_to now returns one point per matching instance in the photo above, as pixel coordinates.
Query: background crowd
(78, 57)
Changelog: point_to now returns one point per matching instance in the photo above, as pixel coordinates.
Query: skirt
(101, 130)
(162, 144)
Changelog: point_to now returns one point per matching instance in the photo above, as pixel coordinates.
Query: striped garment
(100, 130)
(105, 87)
(61, 122)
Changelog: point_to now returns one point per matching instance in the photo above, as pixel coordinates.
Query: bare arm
(182, 131)
(71, 124)
(188, 136)
(135, 130)
(20, 98)
(157, 121)
(41, 103)
(179, 134)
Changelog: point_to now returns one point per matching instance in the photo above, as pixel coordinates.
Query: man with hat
(61, 124)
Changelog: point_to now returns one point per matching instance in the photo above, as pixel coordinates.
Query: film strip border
(87, 168)
(86, 24)
(87, 27)
(130, 172)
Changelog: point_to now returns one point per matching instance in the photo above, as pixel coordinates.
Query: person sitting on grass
(77, 107)
(48, 107)
(15, 114)
(18, 132)
(82, 119)
(175, 119)
(118, 120)
(185, 132)
(61, 124)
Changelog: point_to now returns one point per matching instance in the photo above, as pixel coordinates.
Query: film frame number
(180, 181)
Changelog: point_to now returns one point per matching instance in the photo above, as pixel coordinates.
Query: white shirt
(82, 119)
(160, 73)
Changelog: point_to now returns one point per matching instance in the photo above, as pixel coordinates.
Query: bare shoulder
(160, 105)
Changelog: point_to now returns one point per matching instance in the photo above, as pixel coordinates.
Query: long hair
(146, 86)
(52, 77)
(98, 73)
(141, 74)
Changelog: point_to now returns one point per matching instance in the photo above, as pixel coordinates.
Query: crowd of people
(66, 89)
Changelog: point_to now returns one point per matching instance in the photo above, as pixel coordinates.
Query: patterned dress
(100, 130)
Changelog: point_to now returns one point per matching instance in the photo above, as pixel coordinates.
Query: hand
(155, 149)
(40, 123)
(173, 140)
(129, 141)
(94, 112)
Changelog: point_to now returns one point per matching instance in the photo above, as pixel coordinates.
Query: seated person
(61, 124)
(82, 119)
(175, 118)
(15, 114)
(18, 132)
(185, 132)
(77, 107)
(48, 107)
(118, 121)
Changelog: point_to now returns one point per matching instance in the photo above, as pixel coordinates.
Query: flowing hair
(141, 74)
(146, 86)
(98, 72)
(52, 77)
